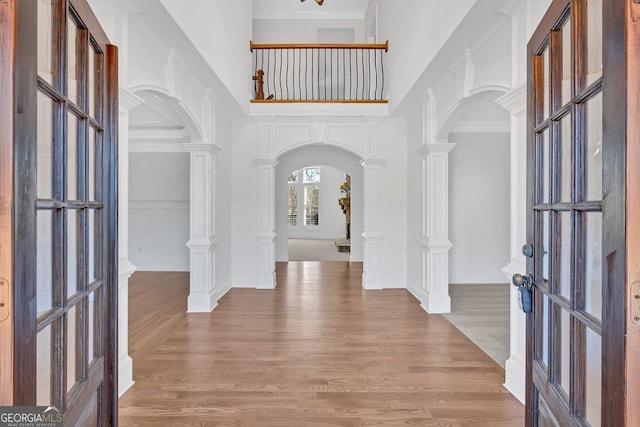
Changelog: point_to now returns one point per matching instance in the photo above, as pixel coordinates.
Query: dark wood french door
(578, 137)
(58, 89)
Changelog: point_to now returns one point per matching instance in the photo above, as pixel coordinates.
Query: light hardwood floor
(316, 351)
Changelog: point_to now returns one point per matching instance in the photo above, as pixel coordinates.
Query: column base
(266, 281)
(436, 303)
(515, 377)
(201, 302)
(371, 281)
(125, 374)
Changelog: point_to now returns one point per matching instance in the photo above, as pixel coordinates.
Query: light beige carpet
(481, 312)
(315, 250)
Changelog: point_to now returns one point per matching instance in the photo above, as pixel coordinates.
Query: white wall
(223, 193)
(302, 30)
(220, 30)
(416, 31)
(479, 207)
(159, 211)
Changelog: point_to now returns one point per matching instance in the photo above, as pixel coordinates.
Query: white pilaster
(266, 186)
(515, 103)
(435, 229)
(202, 242)
(127, 101)
(372, 199)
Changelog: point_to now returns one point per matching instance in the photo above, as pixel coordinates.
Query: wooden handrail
(384, 46)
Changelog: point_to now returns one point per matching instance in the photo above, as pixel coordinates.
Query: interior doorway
(310, 219)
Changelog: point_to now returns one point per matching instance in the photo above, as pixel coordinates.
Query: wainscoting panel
(158, 234)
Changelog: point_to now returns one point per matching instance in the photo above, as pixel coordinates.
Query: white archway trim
(203, 292)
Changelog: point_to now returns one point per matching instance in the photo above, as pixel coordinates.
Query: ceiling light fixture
(317, 1)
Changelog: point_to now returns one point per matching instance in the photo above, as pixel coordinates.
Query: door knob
(527, 250)
(524, 285)
(521, 281)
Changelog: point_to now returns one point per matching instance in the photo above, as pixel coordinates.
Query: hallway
(316, 351)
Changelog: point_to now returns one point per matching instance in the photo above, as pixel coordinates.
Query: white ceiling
(291, 9)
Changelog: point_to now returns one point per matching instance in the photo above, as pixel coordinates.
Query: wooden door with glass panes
(577, 142)
(58, 80)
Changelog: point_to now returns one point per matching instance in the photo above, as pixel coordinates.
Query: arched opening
(159, 183)
(479, 222)
(333, 164)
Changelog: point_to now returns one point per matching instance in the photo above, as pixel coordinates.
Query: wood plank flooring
(317, 351)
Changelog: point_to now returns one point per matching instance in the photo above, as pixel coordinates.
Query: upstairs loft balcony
(319, 73)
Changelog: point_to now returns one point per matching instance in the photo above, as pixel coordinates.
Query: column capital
(372, 162)
(265, 162)
(201, 147)
(439, 148)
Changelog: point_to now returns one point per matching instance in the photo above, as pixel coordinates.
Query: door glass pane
(545, 83)
(594, 378)
(72, 321)
(594, 148)
(545, 166)
(91, 177)
(91, 89)
(72, 63)
(72, 252)
(91, 243)
(91, 302)
(45, 146)
(566, 62)
(594, 40)
(545, 245)
(593, 265)
(565, 134)
(564, 287)
(43, 365)
(45, 37)
(545, 330)
(72, 157)
(44, 261)
(565, 351)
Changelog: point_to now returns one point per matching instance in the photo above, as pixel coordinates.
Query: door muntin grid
(568, 216)
(70, 204)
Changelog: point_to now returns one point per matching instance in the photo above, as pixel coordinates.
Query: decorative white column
(515, 102)
(372, 198)
(435, 228)
(202, 242)
(127, 101)
(266, 186)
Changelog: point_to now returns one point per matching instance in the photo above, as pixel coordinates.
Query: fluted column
(202, 242)
(435, 230)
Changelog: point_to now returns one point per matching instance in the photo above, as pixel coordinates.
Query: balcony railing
(319, 72)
